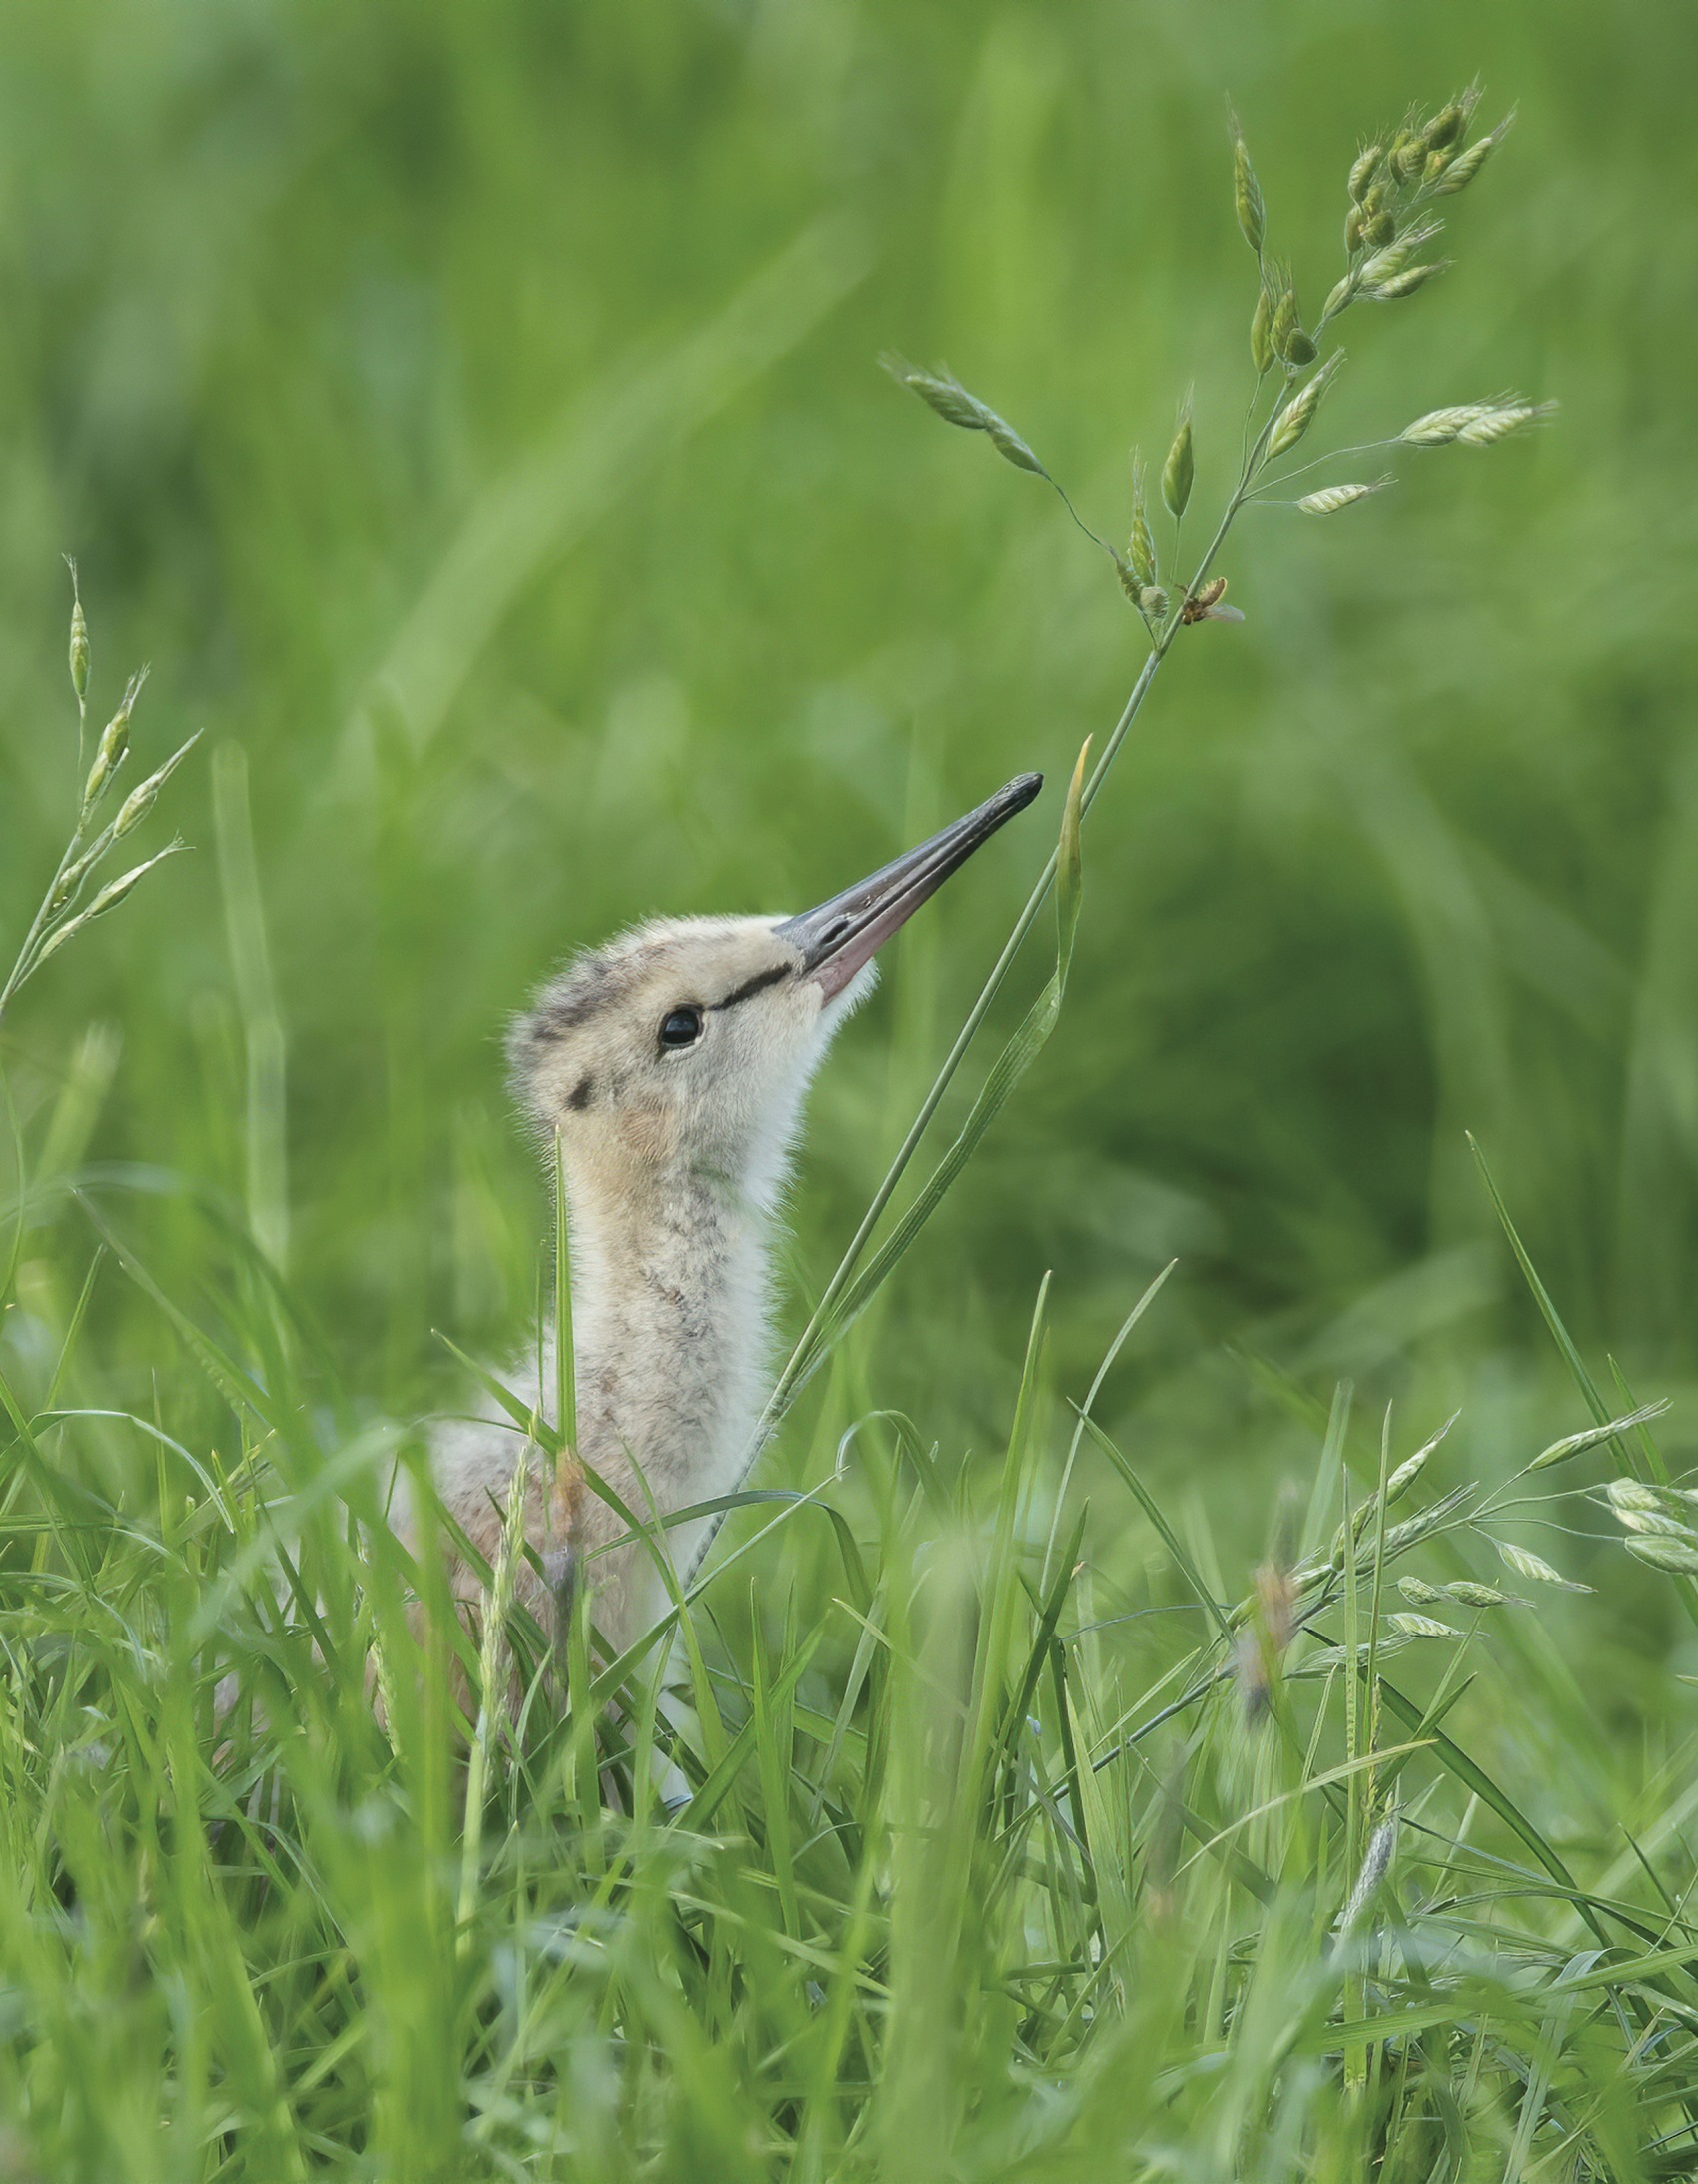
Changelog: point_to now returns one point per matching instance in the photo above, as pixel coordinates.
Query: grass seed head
(1178, 469)
(1139, 541)
(1638, 1493)
(1419, 1626)
(114, 743)
(1420, 1592)
(1499, 422)
(1261, 332)
(1446, 128)
(1284, 319)
(1467, 165)
(943, 391)
(1480, 1595)
(1526, 1564)
(1576, 1444)
(1408, 280)
(145, 796)
(71, 880)
(1299, 414)
(1149, 598)
(1327, 501)
(1009, 445)
(1363, 171)
(1438, 427)
(1674, 1555)
(1404, 1477)
(1408, 155)
(110, 896)
(79, 653)
(137, 806)
(1246, 191)
(1400, 1538)
(1396, 254)
(1659, 1523)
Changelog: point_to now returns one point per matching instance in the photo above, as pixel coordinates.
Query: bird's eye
(681, 1028)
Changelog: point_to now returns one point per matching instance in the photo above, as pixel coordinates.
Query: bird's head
(692, 1039)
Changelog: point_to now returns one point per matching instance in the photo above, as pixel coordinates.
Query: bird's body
(672, 1065)
(670, 1227)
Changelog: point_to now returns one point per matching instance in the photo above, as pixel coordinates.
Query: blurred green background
(472, 412)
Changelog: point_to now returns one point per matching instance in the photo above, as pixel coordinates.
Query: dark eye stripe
(757, 984)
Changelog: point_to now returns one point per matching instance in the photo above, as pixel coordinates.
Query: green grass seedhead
(1526, 1564)
(1247, 191)
(1458, 172)
(1593, 1437)
(1141, 544)
(57, 920)
(1178, 469)
(1283, 325)
(79, 645)
(145, 796)
(1363, 168)
(1262, 331)
(1679, 1554)
(1329, 499)
(1500, 422)
(1407, 283)
(109, 898)
(1299, 414)
(942, 391)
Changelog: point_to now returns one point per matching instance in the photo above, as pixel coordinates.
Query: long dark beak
(842, 934)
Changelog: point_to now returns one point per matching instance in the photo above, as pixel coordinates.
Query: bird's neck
(670, 1293)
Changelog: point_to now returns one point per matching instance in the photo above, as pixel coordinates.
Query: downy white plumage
(673, 1064)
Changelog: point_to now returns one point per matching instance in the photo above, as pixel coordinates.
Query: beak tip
(844, 932)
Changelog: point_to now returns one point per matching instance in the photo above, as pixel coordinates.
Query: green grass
(979, 1860)
(472, 417)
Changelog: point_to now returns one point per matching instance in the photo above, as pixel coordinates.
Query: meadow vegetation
(1201, 1685)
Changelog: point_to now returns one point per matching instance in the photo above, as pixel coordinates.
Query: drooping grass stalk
(58, 918)
(1393, 189)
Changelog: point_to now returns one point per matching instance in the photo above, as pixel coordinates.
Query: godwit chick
(673, 1064)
